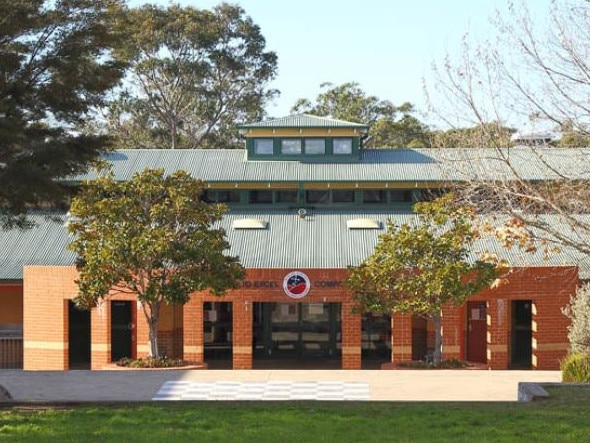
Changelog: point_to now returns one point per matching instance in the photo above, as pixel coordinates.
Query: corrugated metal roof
(401, 165)
(303, 121)
(319, 240)
(44, 244)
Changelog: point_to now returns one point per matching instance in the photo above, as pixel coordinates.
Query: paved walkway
(373, 385)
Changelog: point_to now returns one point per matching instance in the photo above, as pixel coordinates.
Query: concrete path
(373, 385)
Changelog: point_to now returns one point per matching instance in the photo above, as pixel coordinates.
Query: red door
(476, 332)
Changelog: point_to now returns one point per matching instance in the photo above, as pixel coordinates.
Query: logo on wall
(296, 284)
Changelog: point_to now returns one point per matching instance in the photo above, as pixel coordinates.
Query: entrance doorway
(78, 337)
(376, 340)
(218, 334)
(476, 332)
(121, 330)
(521, 352)
(297, 332)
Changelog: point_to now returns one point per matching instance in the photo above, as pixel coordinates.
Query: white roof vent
(363, 223)
(250, 223)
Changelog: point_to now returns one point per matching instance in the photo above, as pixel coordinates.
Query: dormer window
(342, 146)
(315, 146)
(291, 146)
(263, 146)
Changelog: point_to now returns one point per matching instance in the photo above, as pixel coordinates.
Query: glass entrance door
(297, 330)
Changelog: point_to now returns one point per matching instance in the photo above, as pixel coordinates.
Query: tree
(57, 61)
(479, 135)
(578, 312)
(387, 129)
(194, 75)
(419, 268)
(151, 236)
(533, 74)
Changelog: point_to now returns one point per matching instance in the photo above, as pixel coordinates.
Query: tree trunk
(437, 322)
(152, 315)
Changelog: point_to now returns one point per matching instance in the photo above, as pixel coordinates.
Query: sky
(387, 46)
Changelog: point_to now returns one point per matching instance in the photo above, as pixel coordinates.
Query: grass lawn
(561, 418)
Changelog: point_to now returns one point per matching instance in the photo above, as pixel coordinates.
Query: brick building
(306, 201)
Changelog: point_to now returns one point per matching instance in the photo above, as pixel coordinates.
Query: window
(291, 146)
(315, 146)
(263, 146)
(342, 146)
(286, 196)
(374, 196)
(400, 196)
(320, 196)
(221, 196)
(260, 196)
(343, 196)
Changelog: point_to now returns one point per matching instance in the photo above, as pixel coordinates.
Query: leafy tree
(390, 126)
(420, 268)
(532, 73)
(56, 64)
(578, 312)
(151, 236)
(479, 135)
(194, 75)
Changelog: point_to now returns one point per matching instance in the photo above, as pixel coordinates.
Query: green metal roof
(303, 121)
(401, 165)
(322, 239)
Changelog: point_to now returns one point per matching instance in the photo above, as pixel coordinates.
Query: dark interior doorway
(476, 332)
(78, 337)
(376, 340)
(521, 350)
(297, 334)
(121, 330)
(218, 334)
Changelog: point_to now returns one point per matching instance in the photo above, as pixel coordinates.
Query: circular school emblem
(296, 284)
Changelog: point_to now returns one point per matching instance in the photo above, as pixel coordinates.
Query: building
(306, 201)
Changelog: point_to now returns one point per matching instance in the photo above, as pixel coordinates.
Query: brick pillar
(351, 337)
(142, 332)
(242, 334)
(550, 343)
(192, 330)
(452, 328)
(100, 335)
(401, 337)
(498, 322)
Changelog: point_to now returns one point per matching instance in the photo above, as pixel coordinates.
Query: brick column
(351, 337)
(550, 343)
(498, 322)
(142, 332)
(242, 334)
(401, 337)
(100, 335)
(452, 328)
(192, 330)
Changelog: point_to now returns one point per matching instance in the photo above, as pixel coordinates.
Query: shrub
(578, 311)
(576, 367)
(445, 364)
(151, 362)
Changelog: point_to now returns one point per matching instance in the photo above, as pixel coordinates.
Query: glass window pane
(228, 196)
(260, 196)
(286, 197)
(209, 196)
(342, 146)
(400, 196)
(317, 196)
(263, 146)
(315, 146)
(291, 146)
(343, 196)
(374, 196)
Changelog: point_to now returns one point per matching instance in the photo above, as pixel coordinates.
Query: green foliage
(575, 367)
(420, 268)
(387, 129)
(194, 75)
(57, 60)
(151, 236)
(152, 362)
(485, 135)
(578, 311)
